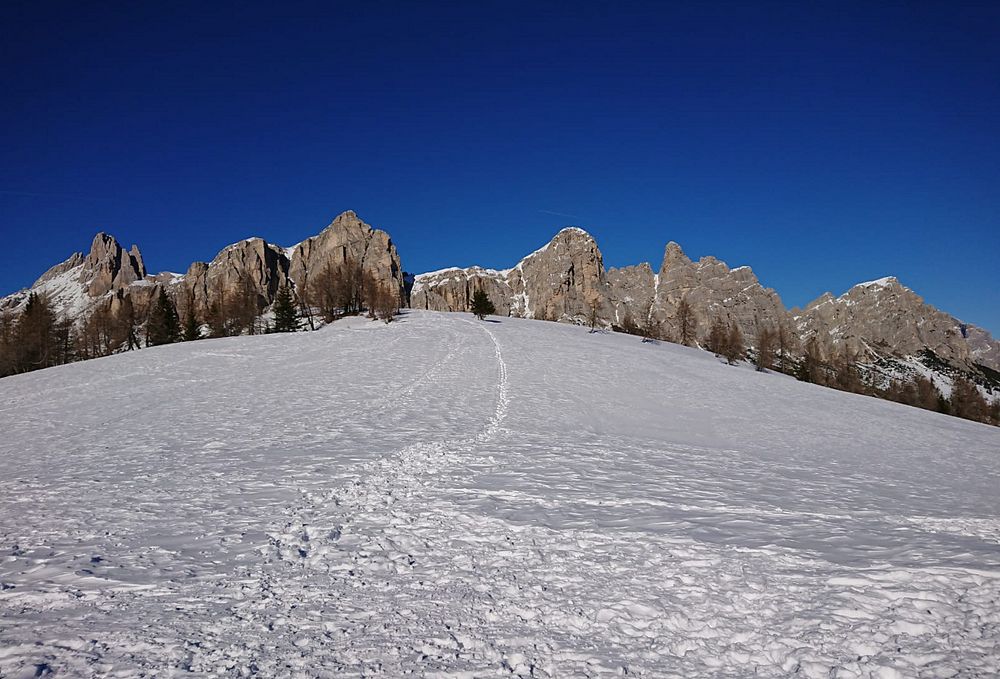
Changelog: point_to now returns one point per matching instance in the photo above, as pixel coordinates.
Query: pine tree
(36, 341)
(191, 330)
(286, 319)
(163, 326)
(481, 304)
(6, 344)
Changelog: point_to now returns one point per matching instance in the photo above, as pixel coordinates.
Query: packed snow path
(448, 497)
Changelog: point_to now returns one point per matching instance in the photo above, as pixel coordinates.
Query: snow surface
(432, 279)
(447, 497)
(884, 282)
(65, 291)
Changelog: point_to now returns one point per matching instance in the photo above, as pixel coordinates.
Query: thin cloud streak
(560, 214)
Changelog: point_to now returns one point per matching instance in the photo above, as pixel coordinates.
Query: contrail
(560, 214)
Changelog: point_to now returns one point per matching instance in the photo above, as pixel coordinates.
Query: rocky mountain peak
(883, 316)
(109, 266)
(673, 257)
(562, 280)
(81, 284)
(347, 238)
(571, 232)
(346, 219)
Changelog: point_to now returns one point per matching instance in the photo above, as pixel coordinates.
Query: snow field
(444, 497)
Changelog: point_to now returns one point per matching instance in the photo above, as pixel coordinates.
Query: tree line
(38, 338)
(776, 347)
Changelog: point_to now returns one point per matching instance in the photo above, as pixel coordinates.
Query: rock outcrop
(347, 238)
(884, 317)
(109, 277)
(565, 279)
(76, 285)
(109, 267)
(252, 265)
(631, 291)
(713, 290)
(561, 281)
(452, 289)
(985, 350)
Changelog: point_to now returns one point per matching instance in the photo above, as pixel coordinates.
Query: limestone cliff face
(713, 290)
(886, 317)
(252, 264)
(631, 291)
(452, 289)
(565, 278)
(347, 238)
(560, 282)
(109, 267)
(109, 276)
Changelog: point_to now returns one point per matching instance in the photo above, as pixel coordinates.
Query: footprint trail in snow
(444, 497)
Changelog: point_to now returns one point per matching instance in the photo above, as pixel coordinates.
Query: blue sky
(823, 144)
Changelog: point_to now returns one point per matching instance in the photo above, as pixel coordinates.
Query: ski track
(435, 553)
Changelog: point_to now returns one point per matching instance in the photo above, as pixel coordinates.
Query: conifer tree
(191, 330)
(481, 304)
(36, 340)
(163, 326)
(6, 344)
(286, 319)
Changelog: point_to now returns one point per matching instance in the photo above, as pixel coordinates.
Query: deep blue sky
(823, 144)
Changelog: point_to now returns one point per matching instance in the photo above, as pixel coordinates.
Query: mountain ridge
(564, 280)
(716, 291)
(107, 275)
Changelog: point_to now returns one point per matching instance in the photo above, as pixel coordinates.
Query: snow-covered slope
(448, 497)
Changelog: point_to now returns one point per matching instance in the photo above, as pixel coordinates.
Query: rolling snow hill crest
(468, 498)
